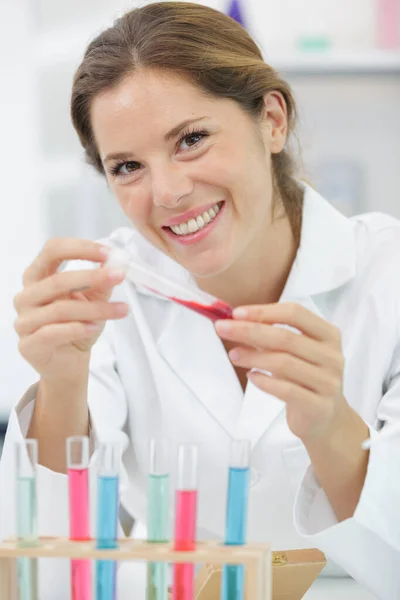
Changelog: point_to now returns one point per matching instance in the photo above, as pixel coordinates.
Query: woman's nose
(169, 185)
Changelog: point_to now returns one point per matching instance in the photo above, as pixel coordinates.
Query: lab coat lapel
(193, 350)
(325, 260)
(259, 411)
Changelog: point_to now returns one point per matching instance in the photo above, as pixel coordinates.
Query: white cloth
(164, 369)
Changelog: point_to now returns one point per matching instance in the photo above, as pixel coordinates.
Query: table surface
(132, 583)
(337, 588)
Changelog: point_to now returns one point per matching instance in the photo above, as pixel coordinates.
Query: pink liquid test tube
(185, 520)
(79, 520)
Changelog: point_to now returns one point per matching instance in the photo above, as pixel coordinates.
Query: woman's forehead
(148, 91)
(150, 103)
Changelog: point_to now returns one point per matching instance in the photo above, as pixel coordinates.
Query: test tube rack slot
(256, 559)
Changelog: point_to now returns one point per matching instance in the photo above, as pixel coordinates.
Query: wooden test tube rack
(256, 559)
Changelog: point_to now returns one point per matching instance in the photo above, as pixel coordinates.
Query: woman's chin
(206, 269)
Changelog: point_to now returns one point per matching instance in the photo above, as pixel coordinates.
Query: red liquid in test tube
(78, 504)
(185, 526)
(143, 275)
(79, 520)
(185, 521)
(216, 311)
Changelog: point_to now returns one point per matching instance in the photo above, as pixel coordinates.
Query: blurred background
(342, 58)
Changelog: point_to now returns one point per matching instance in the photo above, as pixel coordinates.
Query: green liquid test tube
(27, 534)
(158, 516)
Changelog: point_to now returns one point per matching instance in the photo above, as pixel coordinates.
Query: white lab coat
(164, 369)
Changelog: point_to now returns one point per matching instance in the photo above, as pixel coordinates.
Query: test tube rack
(256, 559)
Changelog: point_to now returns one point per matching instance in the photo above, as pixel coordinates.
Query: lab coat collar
(325, 261)
(326, 258)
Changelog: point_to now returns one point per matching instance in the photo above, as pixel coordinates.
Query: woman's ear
(275, 123)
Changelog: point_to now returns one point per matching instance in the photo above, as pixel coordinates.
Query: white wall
(348, 118)
(355, 123)
(21, 222)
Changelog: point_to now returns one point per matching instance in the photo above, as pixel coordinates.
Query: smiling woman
(194, 43)
(175, 106)
(220, 124)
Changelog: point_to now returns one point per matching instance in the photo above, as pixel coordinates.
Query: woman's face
(191, 172)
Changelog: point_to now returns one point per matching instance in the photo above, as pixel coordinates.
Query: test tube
(27, 532)
(185, 520)
(158, 515)
(107, 517)
(79, 521)
(236, 516)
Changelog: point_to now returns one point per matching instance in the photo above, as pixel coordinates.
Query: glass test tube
(158, 515)
(79, 521)
(27, 532)
(236, 516)
(107, 517)
(185, 520)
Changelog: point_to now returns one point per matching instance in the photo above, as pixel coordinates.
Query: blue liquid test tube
(158, 515)
(236, 516)
(107, 517)
(27, 534)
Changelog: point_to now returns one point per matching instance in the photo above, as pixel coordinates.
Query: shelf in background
(372, 62)
(67, 45)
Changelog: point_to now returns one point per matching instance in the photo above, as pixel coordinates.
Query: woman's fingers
(325, 382)
(292, 314)
(62, 313)
(54, 336)
(60, 284)
(69, 310)
(305, 413)
(58, 250)
(276, 339)
(302, 404)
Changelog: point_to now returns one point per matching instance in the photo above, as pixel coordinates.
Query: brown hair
(199, 43)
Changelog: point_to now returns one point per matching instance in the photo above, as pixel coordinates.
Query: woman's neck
(259, 276)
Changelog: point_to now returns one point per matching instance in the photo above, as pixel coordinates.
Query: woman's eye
(125, 169)
(129, 167)
(192, 139)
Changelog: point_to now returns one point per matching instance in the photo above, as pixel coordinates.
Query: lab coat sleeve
(108, 413)
(367, 546)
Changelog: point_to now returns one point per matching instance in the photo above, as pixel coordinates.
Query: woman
(175, 106)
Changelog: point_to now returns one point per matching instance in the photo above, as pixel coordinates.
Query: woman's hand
(61, 314)
(306, 370)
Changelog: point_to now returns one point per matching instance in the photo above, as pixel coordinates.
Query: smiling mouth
(194, 225)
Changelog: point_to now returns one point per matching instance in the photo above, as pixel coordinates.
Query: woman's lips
(197, 236)
(190, 214)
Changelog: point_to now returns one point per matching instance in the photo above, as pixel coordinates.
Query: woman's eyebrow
(118, 156)
(168, 136)
(176, 130)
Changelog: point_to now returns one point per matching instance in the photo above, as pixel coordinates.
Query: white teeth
(200, 222)
(194, 225)
(184, 228)
(206, 217)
